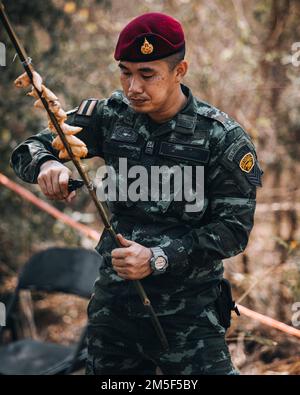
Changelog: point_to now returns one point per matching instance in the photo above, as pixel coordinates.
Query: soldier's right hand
(53, 180)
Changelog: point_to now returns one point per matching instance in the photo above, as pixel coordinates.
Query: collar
(187, 117)
(184, 121)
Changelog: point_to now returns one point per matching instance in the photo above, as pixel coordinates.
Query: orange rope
(93, 234)
(269, 321)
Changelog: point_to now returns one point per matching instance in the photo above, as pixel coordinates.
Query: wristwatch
(159, 260)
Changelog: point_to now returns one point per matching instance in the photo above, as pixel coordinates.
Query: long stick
(26, 62)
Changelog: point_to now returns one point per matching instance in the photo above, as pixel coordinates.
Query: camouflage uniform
(121, 337)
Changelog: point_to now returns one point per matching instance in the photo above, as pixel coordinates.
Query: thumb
(123, 241)
(63, 182)
(71, 196)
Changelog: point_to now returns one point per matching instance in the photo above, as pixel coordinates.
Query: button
(149, 147)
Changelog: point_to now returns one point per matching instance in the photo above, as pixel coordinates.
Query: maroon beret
(150, 37)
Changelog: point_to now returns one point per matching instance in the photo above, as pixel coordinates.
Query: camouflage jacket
(195, 242)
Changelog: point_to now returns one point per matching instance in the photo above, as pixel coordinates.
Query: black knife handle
(74, 184)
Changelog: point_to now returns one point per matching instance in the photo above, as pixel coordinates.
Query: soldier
(177, 254)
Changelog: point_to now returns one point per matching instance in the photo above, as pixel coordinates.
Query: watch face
(160, 263)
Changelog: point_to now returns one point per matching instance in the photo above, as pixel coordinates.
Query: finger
(48, 181)
(123, 241)
(55, 186)
(120, 269)
(43, 185)
(71, 196)
(120, 253)
(119, 263)
(63, 180)
(123, 273)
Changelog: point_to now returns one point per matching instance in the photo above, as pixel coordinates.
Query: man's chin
(142, 108)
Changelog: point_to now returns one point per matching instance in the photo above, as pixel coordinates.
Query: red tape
(91, 233)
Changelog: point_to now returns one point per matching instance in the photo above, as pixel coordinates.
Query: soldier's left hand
(133, 261)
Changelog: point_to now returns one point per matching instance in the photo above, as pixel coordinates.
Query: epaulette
(82, 115)
(212, 112)
(86, 107)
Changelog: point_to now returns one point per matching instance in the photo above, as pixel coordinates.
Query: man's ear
(181, 70)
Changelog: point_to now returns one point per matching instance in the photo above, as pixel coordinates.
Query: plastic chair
(68, 270)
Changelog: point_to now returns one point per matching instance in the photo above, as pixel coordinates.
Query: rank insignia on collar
(146, 48)
(247, 162)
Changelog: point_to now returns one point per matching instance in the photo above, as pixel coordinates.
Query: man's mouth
(137, 102)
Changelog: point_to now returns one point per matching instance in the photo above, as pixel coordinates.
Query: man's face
(148, 85)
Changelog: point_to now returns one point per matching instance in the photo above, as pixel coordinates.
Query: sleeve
(231, 181)
(27, 158)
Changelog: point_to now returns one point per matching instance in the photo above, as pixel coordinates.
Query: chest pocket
(122, 143)
(192, 191)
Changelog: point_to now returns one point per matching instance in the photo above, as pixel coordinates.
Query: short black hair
(174, 59)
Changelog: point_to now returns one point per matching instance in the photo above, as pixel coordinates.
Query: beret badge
(146, 48)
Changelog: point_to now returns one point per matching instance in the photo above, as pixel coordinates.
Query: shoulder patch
(86, 107)
(214, 113)
(242, 154)
(247, 162)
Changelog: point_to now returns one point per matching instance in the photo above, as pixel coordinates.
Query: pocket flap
(183, 151)
(122, 149)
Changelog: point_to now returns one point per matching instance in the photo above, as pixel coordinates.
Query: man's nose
(135, 85)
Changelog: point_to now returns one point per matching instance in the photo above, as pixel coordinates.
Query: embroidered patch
(123, 133)
(247, 162)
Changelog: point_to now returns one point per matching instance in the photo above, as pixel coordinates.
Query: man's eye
(125, 73)
(147, 77)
